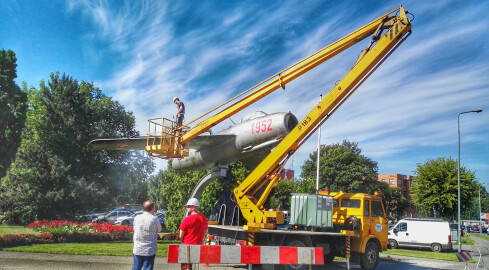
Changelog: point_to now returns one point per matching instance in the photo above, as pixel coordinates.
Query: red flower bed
(66, 226)
(63, 231)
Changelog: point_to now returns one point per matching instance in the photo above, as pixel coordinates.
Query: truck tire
(304, 241)
(435, 247)
(392, 244)
(370, 258)
(329, 258)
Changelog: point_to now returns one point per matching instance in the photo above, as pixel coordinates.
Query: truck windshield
(377, 209)
(350, 203)
(366, 209)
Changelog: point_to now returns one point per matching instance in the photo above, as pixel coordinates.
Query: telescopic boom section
(264, 176)
(396, 16)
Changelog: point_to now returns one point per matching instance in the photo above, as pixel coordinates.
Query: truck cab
(363, 216)
(362, 213)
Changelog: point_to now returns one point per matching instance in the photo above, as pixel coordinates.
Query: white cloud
(409, 103)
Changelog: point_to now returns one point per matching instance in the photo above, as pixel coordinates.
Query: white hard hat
(175, 98)
(193, 202)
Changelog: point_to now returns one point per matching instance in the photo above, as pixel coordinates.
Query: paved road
(21, 260)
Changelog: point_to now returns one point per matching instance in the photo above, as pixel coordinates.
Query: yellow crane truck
(357, 222)
(350, 225)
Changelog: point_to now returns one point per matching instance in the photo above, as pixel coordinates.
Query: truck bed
(237, 232)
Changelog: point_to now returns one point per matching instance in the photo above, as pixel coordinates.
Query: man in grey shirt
(146, 229)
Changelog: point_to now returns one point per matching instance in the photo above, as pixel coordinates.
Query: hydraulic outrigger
(387, 31)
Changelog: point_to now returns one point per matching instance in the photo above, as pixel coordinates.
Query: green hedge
(13, 240)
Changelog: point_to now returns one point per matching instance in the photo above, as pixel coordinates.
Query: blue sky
(145, 52)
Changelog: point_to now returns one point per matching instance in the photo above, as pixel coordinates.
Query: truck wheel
(297, 242)
(435, 247)
(329, 258)
(370, 258)
(392, 244)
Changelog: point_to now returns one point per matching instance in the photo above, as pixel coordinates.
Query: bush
(20, 216)
(12, 240)
(170, 237)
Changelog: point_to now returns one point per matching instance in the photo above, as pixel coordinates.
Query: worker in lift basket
(181, 110)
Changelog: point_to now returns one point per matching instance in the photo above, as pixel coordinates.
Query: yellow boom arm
(386, 21)
(264, 177)
(167, 140)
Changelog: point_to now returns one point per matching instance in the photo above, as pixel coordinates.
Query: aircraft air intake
(290, 121)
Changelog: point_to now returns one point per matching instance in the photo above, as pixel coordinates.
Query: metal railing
(164, 138)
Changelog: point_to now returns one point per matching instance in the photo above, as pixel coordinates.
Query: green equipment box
(311, 210)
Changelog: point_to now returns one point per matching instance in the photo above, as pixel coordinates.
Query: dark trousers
(143, 262)
(180, 120)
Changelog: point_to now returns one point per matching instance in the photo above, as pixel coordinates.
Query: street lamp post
(480, 218)
(480, 208)
(458, 180)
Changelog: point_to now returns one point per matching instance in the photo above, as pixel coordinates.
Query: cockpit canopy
(253, 116)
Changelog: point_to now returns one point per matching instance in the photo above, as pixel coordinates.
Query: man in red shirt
(193, 227)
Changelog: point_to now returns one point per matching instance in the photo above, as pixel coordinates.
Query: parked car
(484, 229)
(133, 207)
(127, 220)
(90, 216)
(475, 228)
(421, 233)
(112, 216)
(161, 217)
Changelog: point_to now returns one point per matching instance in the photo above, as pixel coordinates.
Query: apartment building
(403, 182)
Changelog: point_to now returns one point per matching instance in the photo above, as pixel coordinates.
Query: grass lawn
(5, 229)
(485, 237)
(117, 248)
(468, 241)
(124, 248)
(445, 256)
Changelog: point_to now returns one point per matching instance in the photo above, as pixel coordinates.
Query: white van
(433, 233)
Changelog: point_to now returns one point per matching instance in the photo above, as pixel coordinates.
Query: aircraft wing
(139, 143)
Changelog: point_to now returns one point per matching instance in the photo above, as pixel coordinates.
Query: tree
(394, 201)
(175, 189)
(342, 167)
(306, 186)
(473, 212)
(54, 173)
(435, 190)
(13, 106)
(280, 196)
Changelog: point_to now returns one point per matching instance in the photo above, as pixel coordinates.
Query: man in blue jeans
(181, 110)
(146, 228)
